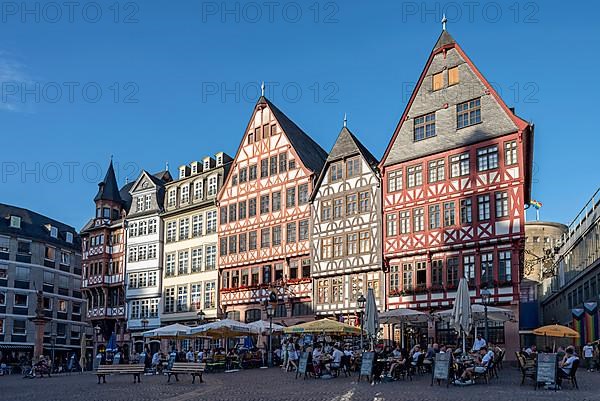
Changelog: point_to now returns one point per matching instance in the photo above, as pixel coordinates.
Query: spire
(166, 166)
(444, 20)
(345, 120)
(262, 88)
(108, 188)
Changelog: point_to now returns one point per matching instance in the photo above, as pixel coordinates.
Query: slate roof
(312, 154)
(34, 226)
(444, 39)
(108, 188)
(346, 145)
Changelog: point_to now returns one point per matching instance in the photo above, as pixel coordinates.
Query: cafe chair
(527, 371)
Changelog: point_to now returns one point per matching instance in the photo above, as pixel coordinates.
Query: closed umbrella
(371, 316)
(461, 319)
(112, 342)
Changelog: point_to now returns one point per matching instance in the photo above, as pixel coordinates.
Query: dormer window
(53, 232)
(139, 204)
(69, 237)
(219, 159)
(106, 212)
(15, 222)
(194, 168)
(182, 172)
(206, 164)
(148, 202)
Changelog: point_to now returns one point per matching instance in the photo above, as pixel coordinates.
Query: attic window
(194, 168)
(53, 232)
(453, 76)
(206, 164)
(15, 222)
(69, 237)
(182, 172)
(219, 160)
(250, 138)
(438, 81)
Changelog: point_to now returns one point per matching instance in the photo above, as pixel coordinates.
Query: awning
(16, 347)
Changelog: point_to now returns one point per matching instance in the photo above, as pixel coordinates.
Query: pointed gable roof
(346, 145)
(311, 153)
(108, 189)
(445, 39)
(423, 101)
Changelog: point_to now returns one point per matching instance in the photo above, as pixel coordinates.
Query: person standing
(588, 355)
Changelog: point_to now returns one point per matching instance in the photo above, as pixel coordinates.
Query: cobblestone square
(276, 385)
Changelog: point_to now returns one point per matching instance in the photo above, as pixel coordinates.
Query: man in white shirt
(415, 356)
(189, 356)
(200, 355)
(588, 354)
(481, 366)
(336, 358)
(566, 365)
(479, 343)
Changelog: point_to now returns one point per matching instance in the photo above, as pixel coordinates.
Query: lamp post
(485, 297)
(144, 323)
(201, 316)
(361, 301)
(270, 316)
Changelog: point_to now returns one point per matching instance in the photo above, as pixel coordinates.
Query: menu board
(302, 364)
(366, 366)
(441, 369)
(546, 368)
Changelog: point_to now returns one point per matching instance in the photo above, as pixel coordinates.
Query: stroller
(40, 368)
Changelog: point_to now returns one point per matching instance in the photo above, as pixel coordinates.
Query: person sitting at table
(479, 343)
(531, 352)
(200, 355)
(416, 353)
(480, 366)
(156, 361)
(566, 364)
(348, 352)
(336, 358)
(317, 355)
(399, 362)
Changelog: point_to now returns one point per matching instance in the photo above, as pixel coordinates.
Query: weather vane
(444, 20)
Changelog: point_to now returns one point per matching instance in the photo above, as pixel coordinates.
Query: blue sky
(151, 82)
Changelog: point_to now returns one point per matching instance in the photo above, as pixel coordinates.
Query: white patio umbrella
(478, 313)
(403, 316)
(371, 316)
(262, 326)
(225, 328)
(461, 319)
(172, 331)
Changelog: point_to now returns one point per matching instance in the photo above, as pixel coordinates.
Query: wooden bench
(135, 370)
(192, 368)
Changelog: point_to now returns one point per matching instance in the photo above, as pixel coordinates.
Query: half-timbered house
(346, 238)
(264, 219)
(456, 177)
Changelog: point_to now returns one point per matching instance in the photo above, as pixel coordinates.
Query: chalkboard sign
(546, 368)
(302, 365)
(441, 368)
(366, 365)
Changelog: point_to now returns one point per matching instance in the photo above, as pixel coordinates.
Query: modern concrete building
(571, 292)
(39, 254)
(190, 275)
(144, 251)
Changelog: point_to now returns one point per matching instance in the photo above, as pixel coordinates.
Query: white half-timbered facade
(264, 217)
(346, 237)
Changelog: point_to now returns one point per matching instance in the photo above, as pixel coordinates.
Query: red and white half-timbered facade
(456, 177)
(265, 218)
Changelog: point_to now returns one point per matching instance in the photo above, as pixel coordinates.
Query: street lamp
(270, 316)
(485, 297)
(201, 316)
(361, 301)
